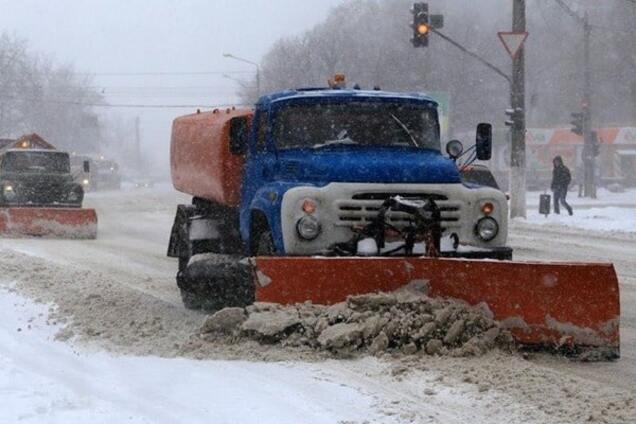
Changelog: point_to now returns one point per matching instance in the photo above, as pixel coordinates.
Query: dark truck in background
(34, 177)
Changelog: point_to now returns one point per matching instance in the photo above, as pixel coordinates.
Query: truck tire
(212, 282)
(265, 244)
(190, 300)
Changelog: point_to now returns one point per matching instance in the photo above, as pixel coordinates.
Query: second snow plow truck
(318, 194)
(38, 197)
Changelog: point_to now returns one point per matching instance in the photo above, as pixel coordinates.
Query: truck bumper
(498, 253)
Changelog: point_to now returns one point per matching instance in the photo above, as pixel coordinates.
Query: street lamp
(258, 70)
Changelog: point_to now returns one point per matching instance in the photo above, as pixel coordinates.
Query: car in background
(104, 174)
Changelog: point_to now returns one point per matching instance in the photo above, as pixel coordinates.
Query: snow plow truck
(38, 197)
(319, 194)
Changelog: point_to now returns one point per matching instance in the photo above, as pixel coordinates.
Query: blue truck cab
(321, 162)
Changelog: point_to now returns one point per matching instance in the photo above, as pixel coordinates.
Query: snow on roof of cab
(328, 93)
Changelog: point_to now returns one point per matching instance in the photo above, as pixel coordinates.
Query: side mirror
(483, 143)
(454, 148)
(239, 130)
(87, 166)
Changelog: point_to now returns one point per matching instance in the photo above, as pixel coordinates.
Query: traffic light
(577, 122)
(515, 117)
(421, 26)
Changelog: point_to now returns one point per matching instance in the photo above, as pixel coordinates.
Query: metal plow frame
(72, 223)
(555, 305)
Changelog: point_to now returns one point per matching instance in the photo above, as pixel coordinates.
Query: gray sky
(137, 36)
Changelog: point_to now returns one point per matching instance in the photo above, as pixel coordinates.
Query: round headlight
(308, 228)
(8, 191)
(85, 182)
(454, 148)
(487, 229)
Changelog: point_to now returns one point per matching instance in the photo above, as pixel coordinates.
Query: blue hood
(366, 165)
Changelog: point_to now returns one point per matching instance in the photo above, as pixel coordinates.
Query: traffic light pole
(518, 131)
(589, 138)
(588, 141)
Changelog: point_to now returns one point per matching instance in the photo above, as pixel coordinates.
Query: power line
(116, 74)
(120, 105)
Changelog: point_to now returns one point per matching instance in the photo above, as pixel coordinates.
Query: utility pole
(138, 145)
(249, 62)
(518, 130)
(588, 141)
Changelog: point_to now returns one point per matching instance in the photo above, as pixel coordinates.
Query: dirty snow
(42, 380)
(404, 322)
(125, 346)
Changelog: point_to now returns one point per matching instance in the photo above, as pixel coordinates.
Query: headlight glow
(8, 191)
(308, 228)
(85, 181)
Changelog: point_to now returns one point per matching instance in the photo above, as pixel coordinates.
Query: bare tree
(369, 41)
(38, 96)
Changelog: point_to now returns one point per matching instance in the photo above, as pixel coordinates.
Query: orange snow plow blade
(48, 222)
(543, 304)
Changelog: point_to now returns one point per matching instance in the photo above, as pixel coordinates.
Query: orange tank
(201, 163)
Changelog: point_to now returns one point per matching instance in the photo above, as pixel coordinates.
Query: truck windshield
(56, 162)
(357, 123)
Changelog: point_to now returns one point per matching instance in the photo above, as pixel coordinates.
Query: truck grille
(362, 208)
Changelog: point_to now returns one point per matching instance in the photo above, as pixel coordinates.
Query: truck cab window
(378, 124)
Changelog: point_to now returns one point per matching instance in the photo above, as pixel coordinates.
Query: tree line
(36, 95)
(369, 41)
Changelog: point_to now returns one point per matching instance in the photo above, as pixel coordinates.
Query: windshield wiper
(343, 138)
(345, 141)
(405, 128)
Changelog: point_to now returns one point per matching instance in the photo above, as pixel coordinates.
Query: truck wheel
(190, 300)
(212, 282)
(265, 244)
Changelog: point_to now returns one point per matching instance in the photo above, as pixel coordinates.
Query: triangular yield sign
(512, 41)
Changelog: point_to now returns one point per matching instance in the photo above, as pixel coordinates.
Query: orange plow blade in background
(542, 304)
(48, 222)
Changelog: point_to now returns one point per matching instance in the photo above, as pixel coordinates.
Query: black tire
(265, 244)
(190, 300)
(213, 282)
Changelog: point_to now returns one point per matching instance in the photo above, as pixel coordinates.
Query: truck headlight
(85, 181)
(8, 191)
(487, 229)
(308, 228)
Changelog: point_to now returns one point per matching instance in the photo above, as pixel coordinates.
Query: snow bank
(610, 212)
(608, 219)
(404, 322)
(42, 380)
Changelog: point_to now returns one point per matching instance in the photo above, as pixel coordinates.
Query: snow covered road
(120, 291)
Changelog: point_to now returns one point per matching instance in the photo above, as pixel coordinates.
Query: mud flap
(543, 304)
(48, 222)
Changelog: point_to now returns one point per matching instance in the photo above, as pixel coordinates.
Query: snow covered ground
(610, 212)
(42, 380)
(122, 359)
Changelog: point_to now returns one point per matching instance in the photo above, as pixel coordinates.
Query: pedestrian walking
(561, 179)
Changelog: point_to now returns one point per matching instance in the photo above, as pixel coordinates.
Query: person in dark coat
(561, 179)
